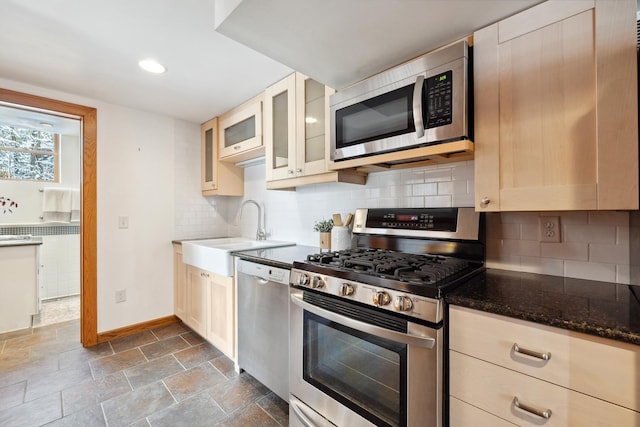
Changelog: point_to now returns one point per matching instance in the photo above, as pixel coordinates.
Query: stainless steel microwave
(422, 102)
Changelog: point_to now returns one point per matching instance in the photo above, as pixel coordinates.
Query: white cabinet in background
(18, 286)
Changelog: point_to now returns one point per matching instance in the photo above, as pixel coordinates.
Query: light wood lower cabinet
(195, 312)
(578, 379)
(463, 414)
(179, 283)
(204, 301)
(220, 313)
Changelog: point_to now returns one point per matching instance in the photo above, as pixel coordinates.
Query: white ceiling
(91, 48)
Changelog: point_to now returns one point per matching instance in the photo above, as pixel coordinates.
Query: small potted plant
(324, 227)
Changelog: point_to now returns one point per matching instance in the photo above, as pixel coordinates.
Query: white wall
(135, 178)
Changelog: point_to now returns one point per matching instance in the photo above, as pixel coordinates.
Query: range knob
(345, 290)
(381, 298)
(303, 279)
(317, 282)
(403, 303)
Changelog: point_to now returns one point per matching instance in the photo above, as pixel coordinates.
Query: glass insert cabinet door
(240, 129)
(296, 129)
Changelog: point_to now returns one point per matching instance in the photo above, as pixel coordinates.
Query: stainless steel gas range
(367, 324)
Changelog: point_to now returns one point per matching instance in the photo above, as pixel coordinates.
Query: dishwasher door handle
(400, 337)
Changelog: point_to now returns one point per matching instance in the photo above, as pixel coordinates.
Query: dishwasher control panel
(264, 272)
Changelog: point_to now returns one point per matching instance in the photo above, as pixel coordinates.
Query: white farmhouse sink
(215, 255)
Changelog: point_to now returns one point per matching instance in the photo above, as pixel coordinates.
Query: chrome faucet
(260, 233)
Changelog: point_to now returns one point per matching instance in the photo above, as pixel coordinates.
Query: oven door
(355, 366)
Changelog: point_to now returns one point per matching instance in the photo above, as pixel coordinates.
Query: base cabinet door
(196, 298)
(179, 283)
(220, 313)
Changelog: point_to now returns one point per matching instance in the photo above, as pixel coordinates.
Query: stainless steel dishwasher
(263, 324)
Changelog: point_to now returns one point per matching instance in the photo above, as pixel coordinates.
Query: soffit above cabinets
(341, 42)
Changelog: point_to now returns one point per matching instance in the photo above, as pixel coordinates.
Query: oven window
(383, 116)
(361, 371)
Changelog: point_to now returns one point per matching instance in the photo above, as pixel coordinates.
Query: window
(28, 154)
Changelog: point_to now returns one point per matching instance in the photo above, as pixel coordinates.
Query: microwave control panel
(439, 98)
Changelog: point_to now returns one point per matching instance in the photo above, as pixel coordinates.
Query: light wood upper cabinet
(296, 135)
(240, 133)
(218, 179)
(556, 108)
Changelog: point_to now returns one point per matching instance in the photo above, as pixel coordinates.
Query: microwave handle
(417, 106)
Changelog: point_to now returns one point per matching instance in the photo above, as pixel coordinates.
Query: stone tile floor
(165, 377)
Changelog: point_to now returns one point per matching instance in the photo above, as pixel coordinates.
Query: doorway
(88, 225)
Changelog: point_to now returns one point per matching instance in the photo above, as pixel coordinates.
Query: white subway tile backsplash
(609, 218)
(438, 201)
(589, 233)
(428, 189)
(590, 271)
(613, 254)
(529, 231)
(413, 176)
(438, 175)
(519, 217)
(577, 217)
(528, 248)
(566, 250)
(506, 231)
(623, 273)
(539, 265)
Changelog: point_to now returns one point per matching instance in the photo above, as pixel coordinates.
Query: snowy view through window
(27, 154)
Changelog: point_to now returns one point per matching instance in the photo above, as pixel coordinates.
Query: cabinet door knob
(290, 172)
(299, 170)
(484, 202)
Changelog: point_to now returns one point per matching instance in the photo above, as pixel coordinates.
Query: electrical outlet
(121, 295)
(123, 222)
(550, 229)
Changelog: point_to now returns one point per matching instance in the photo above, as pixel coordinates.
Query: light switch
(123, 222)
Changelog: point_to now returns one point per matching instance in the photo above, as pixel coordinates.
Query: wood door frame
(88, 223)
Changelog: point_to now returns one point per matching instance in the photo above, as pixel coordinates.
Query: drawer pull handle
(536, 354)
(546, 413)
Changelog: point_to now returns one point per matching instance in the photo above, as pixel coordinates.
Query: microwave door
(363, 126)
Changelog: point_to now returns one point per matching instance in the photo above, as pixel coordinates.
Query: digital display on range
(444, 219)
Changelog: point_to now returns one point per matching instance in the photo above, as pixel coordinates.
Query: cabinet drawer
(461, 414)
(602, 368)
(494, 388)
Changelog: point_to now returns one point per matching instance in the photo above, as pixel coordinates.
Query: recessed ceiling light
(46, 125)
(152, 66)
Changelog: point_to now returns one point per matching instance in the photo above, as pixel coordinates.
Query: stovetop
(419, 274)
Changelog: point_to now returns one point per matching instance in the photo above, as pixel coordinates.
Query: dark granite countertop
(604, 309)
(282, 257)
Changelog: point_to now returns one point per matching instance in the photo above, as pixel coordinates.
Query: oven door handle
(399, 337)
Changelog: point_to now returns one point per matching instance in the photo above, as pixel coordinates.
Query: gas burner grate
(412, 268)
